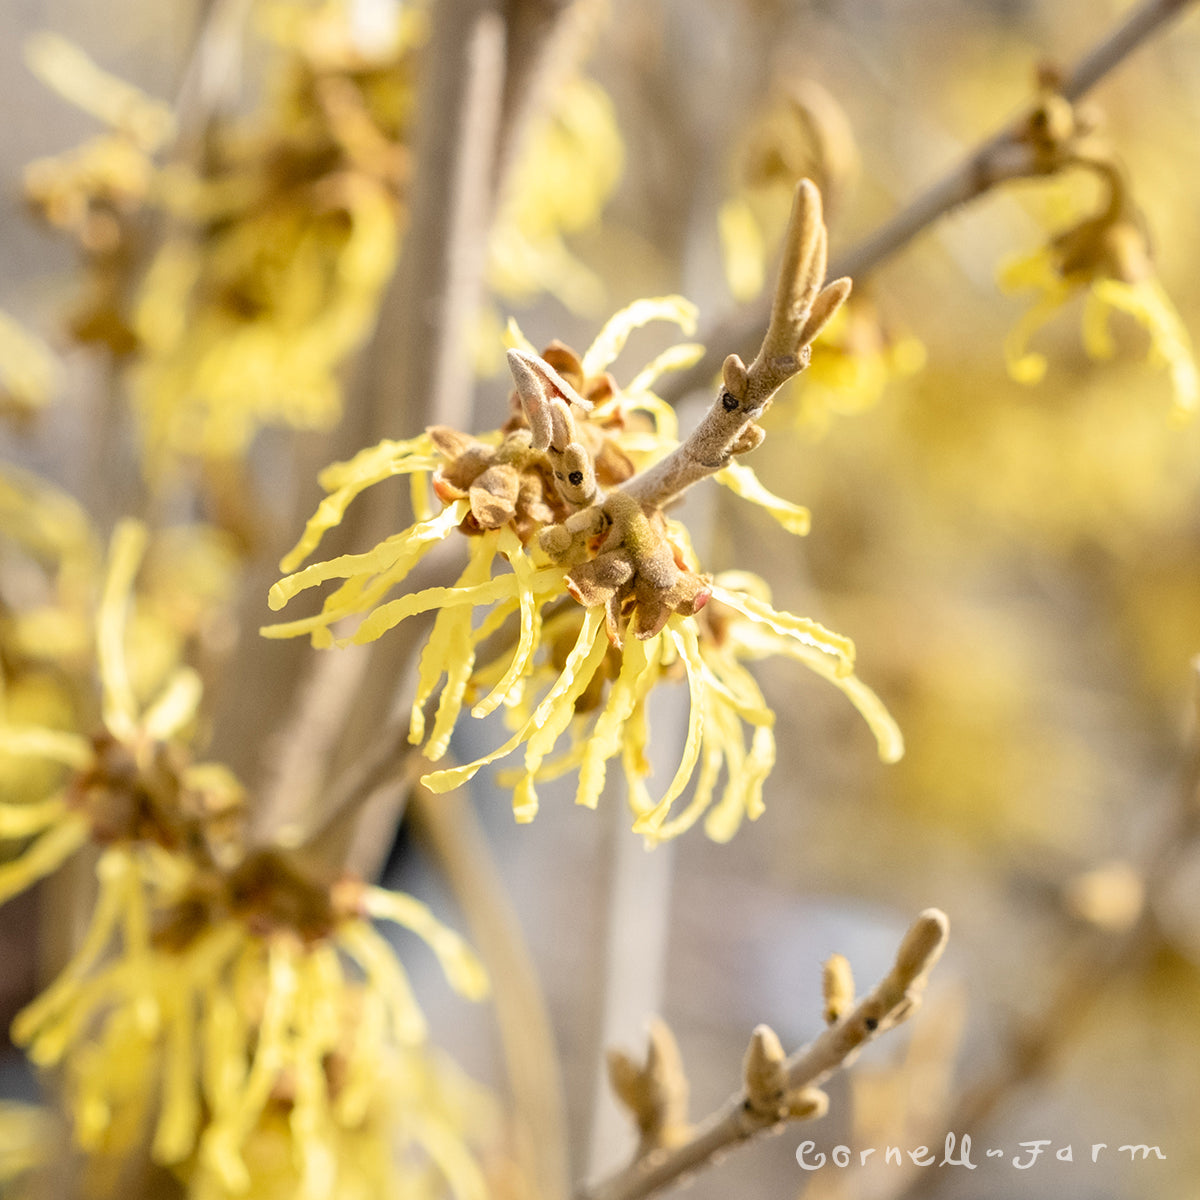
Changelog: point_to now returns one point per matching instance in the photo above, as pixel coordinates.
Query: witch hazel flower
(603, 598)
(1105, 257)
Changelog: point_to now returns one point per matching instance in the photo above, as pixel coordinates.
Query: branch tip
(923, 945)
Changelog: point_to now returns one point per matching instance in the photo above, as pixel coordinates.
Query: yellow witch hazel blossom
(131, 788)
(51, 574)
(852, 366)
(284, 244)
(601, 598)
(257, 1006)
(1105, 257)
(95, 192)
(1111, 282)
(279, 1031)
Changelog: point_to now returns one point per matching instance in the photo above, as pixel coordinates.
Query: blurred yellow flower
(567, 173)
(130, 787)
(1107, 259)
(28, 369)
(274, 1024)
(852, 365)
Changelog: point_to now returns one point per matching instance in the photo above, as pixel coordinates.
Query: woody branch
(776, 1089)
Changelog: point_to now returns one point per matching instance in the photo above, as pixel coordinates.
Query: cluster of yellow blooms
(575, 631)
(265, 1011)
(278, 251)
(1104, 257)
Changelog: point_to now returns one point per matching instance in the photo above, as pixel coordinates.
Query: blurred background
(1018, 566)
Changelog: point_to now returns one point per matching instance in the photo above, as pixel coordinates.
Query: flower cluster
(265, 1011)
(278, 1027)
(602, 595)
(1105, 257)
(279, 246)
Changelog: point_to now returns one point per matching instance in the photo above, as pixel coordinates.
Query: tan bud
(763, 1070)
(837, 987)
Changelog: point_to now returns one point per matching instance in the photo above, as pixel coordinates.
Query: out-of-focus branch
(447, 825)
(776, 1089)
(1001, 157)
(420, 368)
(212, 74)
(416, 371)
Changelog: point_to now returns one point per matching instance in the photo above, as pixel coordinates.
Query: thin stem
(448, 826)
(997, 159)
(743, 1117)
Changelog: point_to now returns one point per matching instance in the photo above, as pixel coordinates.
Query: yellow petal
(175, 706)
(639, 659)
(674, 358)
(387, 976)
(610, 341)
(406, 547)
(450, 650)
(105, 916)
(28, 370)
(514, 339)
(61, 65)
(683, 634)
(743, 482)
(807, 632)
(346, 480)
(523, 573)
(570, 683)
(463, 969)
(1150, 306)
(124, 557)
(50, 850)
(57, 745)
(743, 251)
(20, 820)
(179, 1112)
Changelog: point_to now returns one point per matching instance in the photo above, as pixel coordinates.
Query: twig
(999, 158)
(423, 364)
(211, 76)
(800, 309)
(777, 1089)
